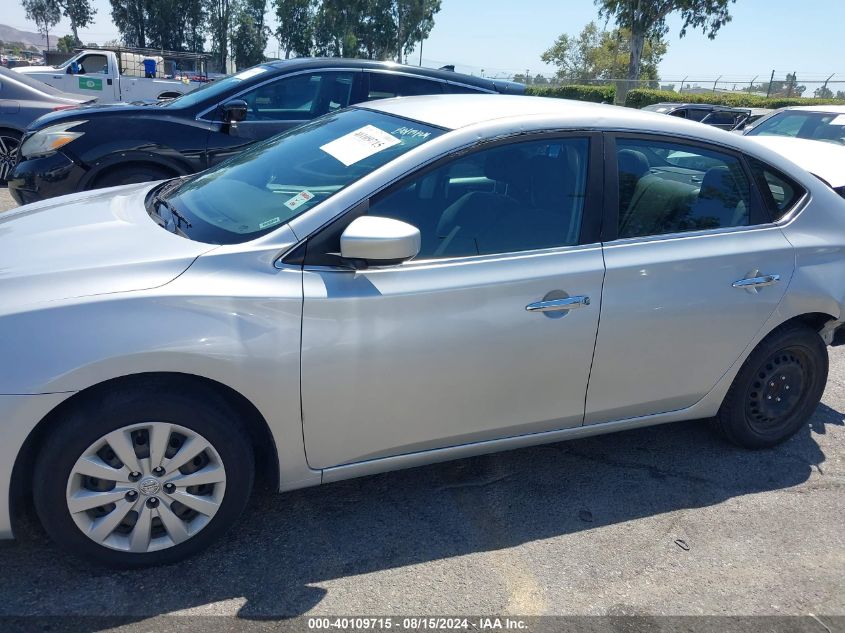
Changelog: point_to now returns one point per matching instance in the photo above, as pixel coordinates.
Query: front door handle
(559, 305)
(752, 283)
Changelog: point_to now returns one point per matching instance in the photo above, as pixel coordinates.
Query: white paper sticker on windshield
(360, 144)
(839, 120)
(252, 72)
(299, 199)
(269, 223)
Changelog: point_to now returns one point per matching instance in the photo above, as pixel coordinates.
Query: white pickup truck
(116, 75)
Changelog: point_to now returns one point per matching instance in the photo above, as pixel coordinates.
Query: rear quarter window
(779, 191)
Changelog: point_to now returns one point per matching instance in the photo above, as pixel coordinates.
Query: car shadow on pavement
(285, 544)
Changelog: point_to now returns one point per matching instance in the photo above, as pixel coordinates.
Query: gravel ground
(6, 201)
(667, 520)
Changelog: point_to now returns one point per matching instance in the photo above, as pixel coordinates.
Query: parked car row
(103, 146)
(22, 100)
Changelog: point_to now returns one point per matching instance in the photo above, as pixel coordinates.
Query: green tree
(413, 20)
(647, 19)
(66, 44)
(221, 14)
(80, 13)
(601, 55)
(250, 33)
(296, 26)
(45, 13)
(130, 18)
(823, 92)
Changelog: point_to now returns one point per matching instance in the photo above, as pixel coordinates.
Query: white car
(395, 284)
(822, 159)
(818, 123)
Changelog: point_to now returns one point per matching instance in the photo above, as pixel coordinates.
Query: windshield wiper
(180, 219)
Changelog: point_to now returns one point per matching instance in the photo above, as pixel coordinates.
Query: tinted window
(273, 181)
(92, 64)
(299, 97)
(386, 85)
(779, 192)
(695, 114)
(671, 188)
(505, 199)
(820, 126)
(721, 118)
(454, 89)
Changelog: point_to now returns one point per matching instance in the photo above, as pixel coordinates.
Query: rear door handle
(559, 305)
(752, 283)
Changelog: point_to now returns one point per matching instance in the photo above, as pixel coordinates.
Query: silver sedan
(395, 284)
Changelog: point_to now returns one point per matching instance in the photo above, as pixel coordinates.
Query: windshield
(819, 126)
(278, 179)
(214, 89)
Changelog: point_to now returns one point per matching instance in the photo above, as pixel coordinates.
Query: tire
(777, 389)
(9, 144)
(130, 175)
(151, 524)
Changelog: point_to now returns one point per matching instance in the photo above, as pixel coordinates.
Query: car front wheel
(777, 390)
(145, 477)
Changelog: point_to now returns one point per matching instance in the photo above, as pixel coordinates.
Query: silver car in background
(395, 284)
(22, 100)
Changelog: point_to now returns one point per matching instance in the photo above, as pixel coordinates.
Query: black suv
(107, 145)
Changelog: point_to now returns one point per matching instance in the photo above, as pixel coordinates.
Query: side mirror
(234, 110)
(380, 240)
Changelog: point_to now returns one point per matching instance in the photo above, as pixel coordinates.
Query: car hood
(85, 111)
(87, 244)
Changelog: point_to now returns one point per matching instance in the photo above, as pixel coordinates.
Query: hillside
(11, 34)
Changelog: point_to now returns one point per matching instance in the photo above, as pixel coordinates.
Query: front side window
(505, 199)
(92, 64)
(820, 126)
(276, 180)
(387, 85)
(669, 187)
(300, 97)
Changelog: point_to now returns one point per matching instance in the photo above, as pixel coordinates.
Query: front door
(694, 270)
(488, 333)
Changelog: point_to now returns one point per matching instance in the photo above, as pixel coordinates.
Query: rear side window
(667, 187)
(779, 192)
(387, 85)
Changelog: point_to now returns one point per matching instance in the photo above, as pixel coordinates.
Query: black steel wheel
(777, 390)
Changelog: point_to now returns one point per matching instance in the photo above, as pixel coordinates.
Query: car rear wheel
(142, 478)
(9, 144)
(131, 174)
(777, 390)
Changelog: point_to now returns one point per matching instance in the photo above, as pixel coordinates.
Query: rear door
(694, 269)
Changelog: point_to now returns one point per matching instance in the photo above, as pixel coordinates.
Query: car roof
(457, 111)
(700, 106)
(832, 109)
(307, 63)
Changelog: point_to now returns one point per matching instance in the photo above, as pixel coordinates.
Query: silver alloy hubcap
(146, 487)
(8, 156)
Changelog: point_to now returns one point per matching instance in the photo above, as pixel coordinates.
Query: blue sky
(507, 36)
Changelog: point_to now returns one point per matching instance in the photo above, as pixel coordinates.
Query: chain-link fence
(772, 83)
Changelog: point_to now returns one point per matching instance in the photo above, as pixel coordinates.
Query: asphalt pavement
(669, 520)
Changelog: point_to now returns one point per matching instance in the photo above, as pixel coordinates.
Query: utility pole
(715, 82)
(751, 85)
(682, 84)
(771, 79)
(421, 43)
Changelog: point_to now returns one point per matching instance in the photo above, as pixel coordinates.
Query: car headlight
(50, 139)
